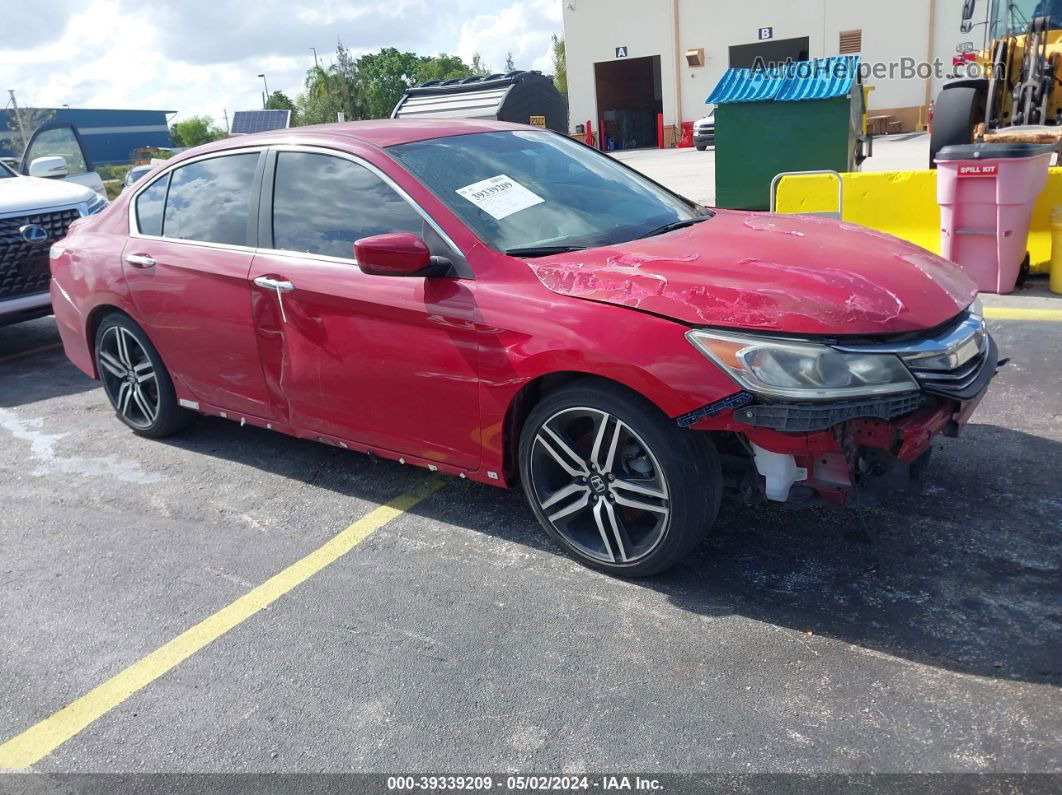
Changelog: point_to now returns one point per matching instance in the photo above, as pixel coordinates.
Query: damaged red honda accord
(508, 305)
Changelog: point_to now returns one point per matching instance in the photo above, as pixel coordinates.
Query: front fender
(646, 353)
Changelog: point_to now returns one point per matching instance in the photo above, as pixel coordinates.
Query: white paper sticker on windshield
(500, 196)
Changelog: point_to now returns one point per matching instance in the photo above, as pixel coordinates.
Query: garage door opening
(768, 53)
(628, 101)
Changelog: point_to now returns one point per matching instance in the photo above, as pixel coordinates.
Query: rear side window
(210, 200)
(322, 204)
(149, 206)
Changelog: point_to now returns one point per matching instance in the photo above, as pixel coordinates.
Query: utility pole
(315, 64)
(225, 113)
(18, 116)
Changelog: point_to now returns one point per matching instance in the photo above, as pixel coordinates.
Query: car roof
(377, 132)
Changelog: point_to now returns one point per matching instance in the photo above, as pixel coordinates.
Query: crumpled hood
(22, 194)
(787, 273)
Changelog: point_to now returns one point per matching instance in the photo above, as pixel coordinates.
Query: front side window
(59, 141)
(322, 204)
(210, 200)
(149, 206)
(538, 189)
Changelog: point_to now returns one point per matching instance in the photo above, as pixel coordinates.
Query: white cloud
(203, 56)
(523, 29)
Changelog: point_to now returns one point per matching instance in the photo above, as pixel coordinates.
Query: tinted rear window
(322, 204)
(211, 200)
(149, 205)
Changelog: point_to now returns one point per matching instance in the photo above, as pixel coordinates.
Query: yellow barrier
(904, 204)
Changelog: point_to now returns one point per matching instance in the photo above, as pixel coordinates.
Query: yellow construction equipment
(1015, 95)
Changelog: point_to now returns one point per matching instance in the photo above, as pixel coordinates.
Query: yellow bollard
(1056, 249)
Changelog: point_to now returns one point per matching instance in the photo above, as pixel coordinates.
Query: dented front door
(388, 362)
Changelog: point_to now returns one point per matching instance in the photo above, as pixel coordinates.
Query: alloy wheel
(599, 485)
(128, 377)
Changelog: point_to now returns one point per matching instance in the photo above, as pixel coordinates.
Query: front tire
(614, 482)
(135, 379)
(954, 118)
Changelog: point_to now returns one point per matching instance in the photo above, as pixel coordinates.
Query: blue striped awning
(823, 78)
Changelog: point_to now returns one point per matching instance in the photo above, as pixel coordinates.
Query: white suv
(34, 213)
(704, 131)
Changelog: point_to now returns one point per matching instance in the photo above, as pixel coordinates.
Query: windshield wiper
(541, 251)
(674, 225)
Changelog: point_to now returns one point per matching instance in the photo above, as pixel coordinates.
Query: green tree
(31, 119)
(445, 67)
(317, 104)
(370, 87)
(383, 77)
(344, 83)
(510, 65)
(329, 92)
(560, 66)
(478, 68)
(278, 100)
(196, 130)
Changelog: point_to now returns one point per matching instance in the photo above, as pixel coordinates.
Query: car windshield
(1013, 16)
(525, 190)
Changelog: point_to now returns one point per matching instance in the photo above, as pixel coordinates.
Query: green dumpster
(803, 116)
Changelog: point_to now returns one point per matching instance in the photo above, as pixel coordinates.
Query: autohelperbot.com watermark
(905, 68)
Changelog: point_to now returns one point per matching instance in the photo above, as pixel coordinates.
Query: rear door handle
(279, 285)
(139, 261)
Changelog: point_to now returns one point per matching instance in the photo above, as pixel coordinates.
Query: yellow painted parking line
(1020, 313)
(31, 351)
(42, 738)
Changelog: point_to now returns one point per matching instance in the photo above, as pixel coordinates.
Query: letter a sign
(621, 52)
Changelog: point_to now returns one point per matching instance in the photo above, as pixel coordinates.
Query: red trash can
(986, 194)
(686, 140)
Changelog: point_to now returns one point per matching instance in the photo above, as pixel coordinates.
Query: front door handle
(139, 261)
(280, 285)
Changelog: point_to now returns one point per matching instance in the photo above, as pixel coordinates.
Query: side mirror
(399, 254)
(968, 7)
(51, 167)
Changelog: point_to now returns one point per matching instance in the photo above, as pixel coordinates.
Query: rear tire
(701, 147)
(954, 118)
(614, 482)
(135, 379)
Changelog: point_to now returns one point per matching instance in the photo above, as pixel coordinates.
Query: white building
(643, 57)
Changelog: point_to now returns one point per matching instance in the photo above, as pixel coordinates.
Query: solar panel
(245, 122)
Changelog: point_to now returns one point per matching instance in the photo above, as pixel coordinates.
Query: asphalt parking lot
(920, 636)
(692, 173)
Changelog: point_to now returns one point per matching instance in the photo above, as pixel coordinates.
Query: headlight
(96, 204)
(802, 370)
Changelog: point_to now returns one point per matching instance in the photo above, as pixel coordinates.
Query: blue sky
(202, 56)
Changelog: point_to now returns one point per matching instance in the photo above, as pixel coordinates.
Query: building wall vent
(851, 42)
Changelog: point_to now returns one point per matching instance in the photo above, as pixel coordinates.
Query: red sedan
(506, 304)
